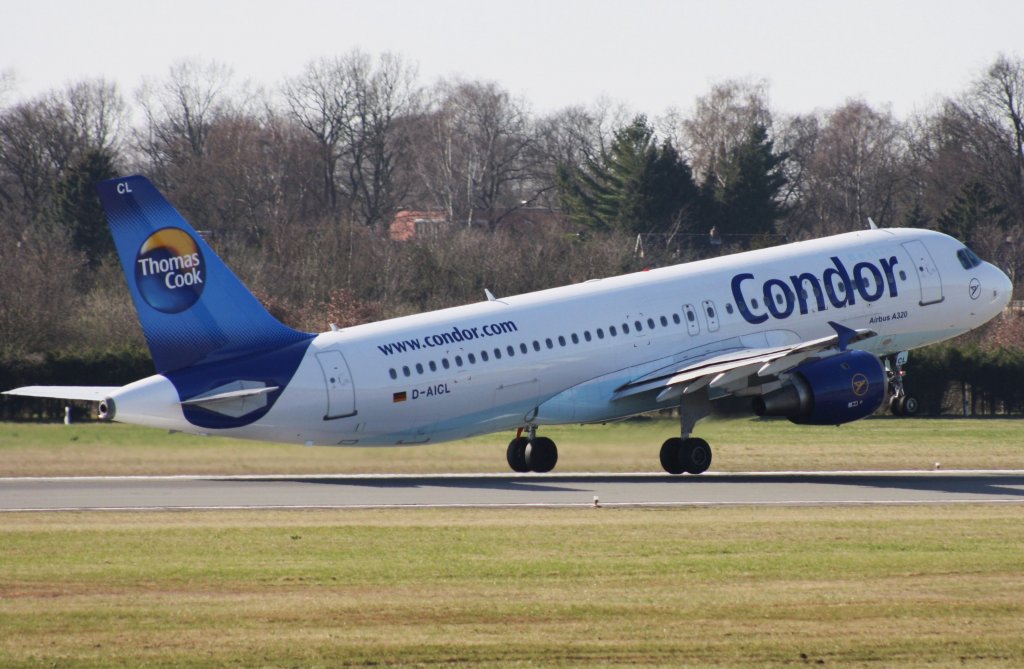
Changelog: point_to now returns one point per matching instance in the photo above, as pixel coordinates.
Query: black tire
(670, 452)
(894, 406)
(541, 455)
(908, 405)
(695, 456)
(516, 454)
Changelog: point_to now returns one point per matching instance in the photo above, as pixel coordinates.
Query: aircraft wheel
(695, 456)
(541, 455)
(894, 406)
(908, 405)
(670, 452)
(516, 454)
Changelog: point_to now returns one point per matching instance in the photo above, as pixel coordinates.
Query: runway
(494, 490)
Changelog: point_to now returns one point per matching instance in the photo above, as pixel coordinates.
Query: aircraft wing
(729, 372)
(90, 393)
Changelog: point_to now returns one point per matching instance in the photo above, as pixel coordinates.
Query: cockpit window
(967, 258)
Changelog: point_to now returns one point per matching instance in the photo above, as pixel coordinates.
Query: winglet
(845, 334)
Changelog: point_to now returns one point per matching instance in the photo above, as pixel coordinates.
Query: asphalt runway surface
(499, 490)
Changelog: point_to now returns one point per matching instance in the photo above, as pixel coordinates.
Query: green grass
(739, 445)
(876, 587)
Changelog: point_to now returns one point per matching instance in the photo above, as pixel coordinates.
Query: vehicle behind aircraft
(814, 331)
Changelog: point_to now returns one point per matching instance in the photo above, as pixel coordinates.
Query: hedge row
(988, 380)
(111, 367)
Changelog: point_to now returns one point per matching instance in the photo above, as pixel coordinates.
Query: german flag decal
(399, 397)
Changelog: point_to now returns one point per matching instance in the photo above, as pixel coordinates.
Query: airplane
(816, 331)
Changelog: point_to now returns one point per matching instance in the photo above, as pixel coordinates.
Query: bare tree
(722, 119)
(999, 110)
(179, 112)
(319, 101)
(476, 151)
(43, 140)
(852, 166)
(376, 143)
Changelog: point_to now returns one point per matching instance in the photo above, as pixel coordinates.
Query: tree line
(296, 186)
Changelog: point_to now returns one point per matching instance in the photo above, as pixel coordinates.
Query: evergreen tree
(916, 217)
(637, 187)
(78, 206)
(973, 208)
(746, 193)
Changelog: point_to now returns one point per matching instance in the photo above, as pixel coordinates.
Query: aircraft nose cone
(1002, 288)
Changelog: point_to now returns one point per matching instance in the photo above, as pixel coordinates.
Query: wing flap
(728, 372)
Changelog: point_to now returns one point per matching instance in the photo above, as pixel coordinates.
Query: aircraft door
(927, 272)
(341, 394)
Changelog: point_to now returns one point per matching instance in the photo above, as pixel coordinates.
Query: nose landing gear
(900, 403)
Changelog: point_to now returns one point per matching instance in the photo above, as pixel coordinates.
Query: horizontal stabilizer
(234, 399)
(87, 393)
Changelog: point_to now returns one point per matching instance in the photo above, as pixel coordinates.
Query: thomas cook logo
(169, 270)
(859, 384)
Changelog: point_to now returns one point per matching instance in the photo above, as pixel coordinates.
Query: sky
(650, 55)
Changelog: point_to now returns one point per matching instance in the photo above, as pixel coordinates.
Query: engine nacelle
(830, 391)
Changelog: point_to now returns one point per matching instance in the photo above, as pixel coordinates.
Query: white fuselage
(557, 356)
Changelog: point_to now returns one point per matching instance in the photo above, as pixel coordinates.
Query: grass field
(739, 445)
(875, 587)
(929, 586)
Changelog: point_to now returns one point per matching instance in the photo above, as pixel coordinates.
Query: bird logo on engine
(859, 384)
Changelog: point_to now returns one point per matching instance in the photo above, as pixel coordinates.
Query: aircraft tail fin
(192, 308)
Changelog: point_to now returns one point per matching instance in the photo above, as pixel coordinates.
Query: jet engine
(829, 391)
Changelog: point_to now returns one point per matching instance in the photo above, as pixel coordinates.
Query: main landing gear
(691, 455)
(684, 454)
(688, 454)
(532, 454)
(900, 403)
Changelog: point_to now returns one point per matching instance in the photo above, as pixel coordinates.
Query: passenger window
(522, 347)
(483, 356)
(419, 368)
(433, 366)
(664, 322)
(625, 328)
(600, 334)
(638, 326)
(536, 345)
(612, 331)
(561, 340)
(676, 319)
(405, 371)
(547, 342)
(586, 334)
(497, 354)
(458, 361)
(575, 338)
(393, 373)
(445, 363)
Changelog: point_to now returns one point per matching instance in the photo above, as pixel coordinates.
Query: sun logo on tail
(169, 270)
